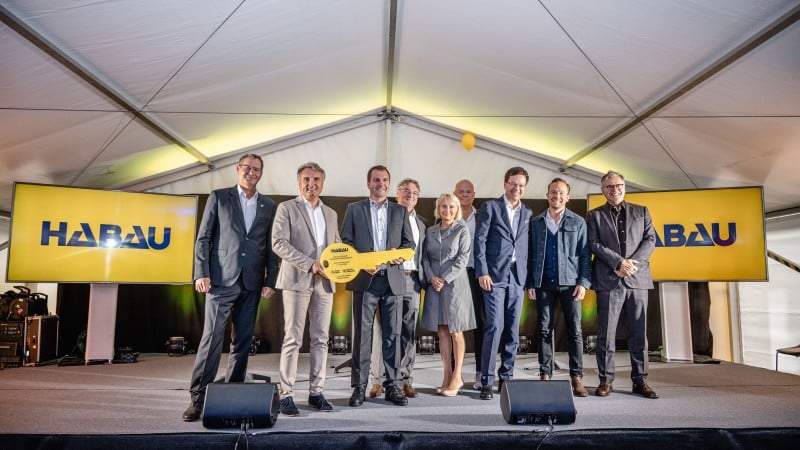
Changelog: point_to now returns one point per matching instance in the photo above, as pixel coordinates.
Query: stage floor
(148, 397)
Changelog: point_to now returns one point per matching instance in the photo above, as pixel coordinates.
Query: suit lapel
(365, 210)
(300, 205)
(236, 206)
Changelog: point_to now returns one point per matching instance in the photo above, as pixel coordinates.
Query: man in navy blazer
(376, 224)
(622, 238)
(501, 266)
(234, 266)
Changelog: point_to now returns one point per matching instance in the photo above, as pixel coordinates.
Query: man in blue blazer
(622, 238)
(501, 266)
(376, 224)
(234, 266)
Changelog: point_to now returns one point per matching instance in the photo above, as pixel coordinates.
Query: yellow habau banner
(65, 234)
(705, 234)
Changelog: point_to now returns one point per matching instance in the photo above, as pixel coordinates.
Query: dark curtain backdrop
(149, 314)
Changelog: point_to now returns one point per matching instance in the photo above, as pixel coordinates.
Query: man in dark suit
(303, 227)
(234, 266)
(465, 191)
(407, 195)
(501, 266)
(622, 238)
(376, 224)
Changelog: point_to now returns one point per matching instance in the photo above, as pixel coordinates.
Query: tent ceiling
(675, 94)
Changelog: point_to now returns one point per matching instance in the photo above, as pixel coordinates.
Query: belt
(411, 272)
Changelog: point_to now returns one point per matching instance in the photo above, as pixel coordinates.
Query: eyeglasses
(246, 168)
(612, 187)
(410, 192)
(515, 185)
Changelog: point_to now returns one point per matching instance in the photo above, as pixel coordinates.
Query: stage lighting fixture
(254, 346)
(590, 344)
(339, 345)
(426, 345)
(176, 346)
(524, 345)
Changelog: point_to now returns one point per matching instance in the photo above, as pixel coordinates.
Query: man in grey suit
(376, 224)
(234, 266)
(501, 266)
(622, 238)
(303, 227)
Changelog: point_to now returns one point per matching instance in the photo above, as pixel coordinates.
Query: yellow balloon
(468, 141)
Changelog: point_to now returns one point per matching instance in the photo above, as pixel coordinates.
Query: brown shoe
(578, 390)
(644, 390)
(603, 390)
(376, 391)
(544, 377)
(409, 391)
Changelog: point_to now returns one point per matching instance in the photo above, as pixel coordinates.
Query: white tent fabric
(164, 95)
(109, 94)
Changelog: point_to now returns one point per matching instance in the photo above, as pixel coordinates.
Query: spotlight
(590, 344)
(339, 345)
(426, 345)
(524, 345)
(176, 346)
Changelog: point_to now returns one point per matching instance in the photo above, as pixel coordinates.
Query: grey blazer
(293, 241)
(357, 231)
(224, 250)
(640, 241)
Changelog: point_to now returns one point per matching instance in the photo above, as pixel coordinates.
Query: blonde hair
(452, 198)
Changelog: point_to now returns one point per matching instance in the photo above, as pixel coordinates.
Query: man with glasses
(501, 266)
(622, 238)
(234, 267)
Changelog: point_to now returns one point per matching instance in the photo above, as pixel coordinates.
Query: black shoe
(192, 412)
(319, 402)
(486, 392)
(288, 408)
(357, 399)
(394, 395)
(500, 383)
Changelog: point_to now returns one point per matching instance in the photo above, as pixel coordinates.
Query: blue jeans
(546, 299)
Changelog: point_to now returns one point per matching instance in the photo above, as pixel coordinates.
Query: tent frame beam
(682, 88)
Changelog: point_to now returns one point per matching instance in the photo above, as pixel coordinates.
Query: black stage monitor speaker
(229, 405)
(537, 402)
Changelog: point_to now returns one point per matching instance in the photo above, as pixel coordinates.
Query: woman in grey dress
(448, 300)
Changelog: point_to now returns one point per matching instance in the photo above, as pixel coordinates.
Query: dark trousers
(222, 303)
(610, 304)
(480, 318)
(379, 296)
(547, 297)
(408, 332)
(503, 310)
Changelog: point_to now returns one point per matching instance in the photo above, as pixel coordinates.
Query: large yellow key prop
(342, 262)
